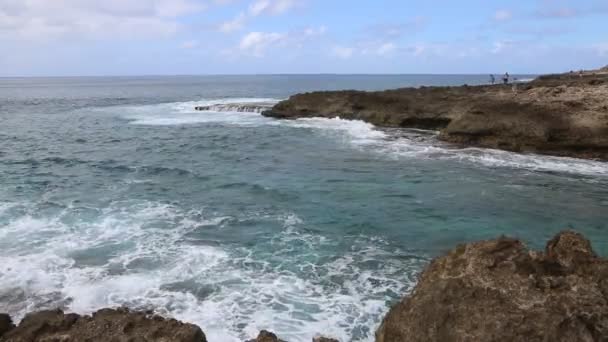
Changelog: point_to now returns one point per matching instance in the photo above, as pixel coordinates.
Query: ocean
(115, 191)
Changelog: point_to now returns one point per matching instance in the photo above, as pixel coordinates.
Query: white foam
(424, 144)
(249, 292)
(413, 144)
(184, 113)
(432, 149)
(359, 132)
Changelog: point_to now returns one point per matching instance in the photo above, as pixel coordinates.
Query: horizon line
(276, 74)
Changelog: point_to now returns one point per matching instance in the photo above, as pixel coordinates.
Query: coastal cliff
(564, 114)
(495, 290)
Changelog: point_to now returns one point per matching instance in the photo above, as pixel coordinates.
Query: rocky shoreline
(495, 290)
(562, 115)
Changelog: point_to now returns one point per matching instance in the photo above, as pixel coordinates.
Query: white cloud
(503, 15)
(315, 31)
(256, 43)
(342, 52)
(233, 25)
(386, 49)
(273, 7)
(257, 8)
(48, 19)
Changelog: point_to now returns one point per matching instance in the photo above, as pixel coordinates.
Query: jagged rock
(324, 339)
(560, 114)
(499, 291)
(6, 324)
(266, 336)
(104, 325)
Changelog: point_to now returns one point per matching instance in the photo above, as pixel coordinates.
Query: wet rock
(498, 290)
(266, 336)
(6, 324)
(560, 114)
(104, 325)
(324, 339)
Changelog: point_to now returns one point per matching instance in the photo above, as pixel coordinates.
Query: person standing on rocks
(505, 78)
(492, 79)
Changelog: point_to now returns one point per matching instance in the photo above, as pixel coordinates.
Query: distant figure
(505, 78)
(492, 79)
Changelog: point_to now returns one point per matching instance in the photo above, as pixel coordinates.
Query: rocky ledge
(111, 325)
(494, 290)
(500, 291)
(564, 114)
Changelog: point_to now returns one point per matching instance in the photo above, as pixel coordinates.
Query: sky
(190, 37)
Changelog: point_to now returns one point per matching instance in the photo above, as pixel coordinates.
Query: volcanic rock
(563, 114)
(499, 290)
(104, 325)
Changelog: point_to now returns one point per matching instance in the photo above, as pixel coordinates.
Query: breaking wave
(149, 255)
(402, 143)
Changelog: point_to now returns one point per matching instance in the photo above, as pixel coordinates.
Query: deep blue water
(114, 191)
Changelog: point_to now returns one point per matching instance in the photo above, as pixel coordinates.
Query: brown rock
(500, 291)
(560, 114)
(324, 339)
(6, 324)
(104, 325)
(266, 336)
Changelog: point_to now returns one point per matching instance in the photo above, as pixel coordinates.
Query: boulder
(104, 325)
(499, 290)
(266, 336)
(324, 339)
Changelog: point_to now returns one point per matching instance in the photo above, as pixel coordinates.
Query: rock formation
(500, 291)
(563, 114)
(104, 325)
(266, 336)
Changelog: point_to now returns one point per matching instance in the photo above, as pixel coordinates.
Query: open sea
(115, 191)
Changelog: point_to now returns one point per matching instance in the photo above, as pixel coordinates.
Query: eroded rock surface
(104, 325)
(500, 291)
(564, 114)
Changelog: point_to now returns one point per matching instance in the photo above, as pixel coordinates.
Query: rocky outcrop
(266, 336)
(104, 325)
(500, 291)
(565, 114)
(115, 325)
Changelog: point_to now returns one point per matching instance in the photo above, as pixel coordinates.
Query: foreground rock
(267, 336)
(565, 114)
(104, 325)
(500, 291)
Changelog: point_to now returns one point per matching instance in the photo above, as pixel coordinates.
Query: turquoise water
(115, 192)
